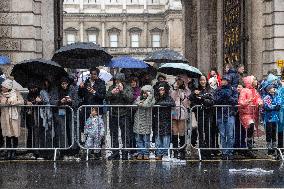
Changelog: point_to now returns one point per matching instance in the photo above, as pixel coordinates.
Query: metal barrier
(41, 127)
(219, 128)
(121, 117)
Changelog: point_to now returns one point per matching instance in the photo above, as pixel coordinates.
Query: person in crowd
(93, 90)
(203, 96)
(240, 132)
(64, 95)
(120, 94)
(233, 74)
(162, 120)
(180, 94)
(143, 121)
(281, 114)
(249, 103)
(38, 119)
(160, 79)
(134, 83)
(10, 116)
(1, 136)
(241, 71)
(95, 131)
(272, 106)
(226, 96)
(214, 78)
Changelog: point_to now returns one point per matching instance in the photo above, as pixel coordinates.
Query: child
(143, 120)
(94, 129)
(162, 120)
(272, 106)
(226, 95)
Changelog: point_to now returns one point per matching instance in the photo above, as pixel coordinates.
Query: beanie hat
(8, 84)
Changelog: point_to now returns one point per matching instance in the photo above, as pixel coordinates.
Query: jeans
(143, 141)
(226, 128)
(162, 141)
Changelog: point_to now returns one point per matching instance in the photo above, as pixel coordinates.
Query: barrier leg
(87, 157)
(199, 155)
(55, 153)
(281, 154)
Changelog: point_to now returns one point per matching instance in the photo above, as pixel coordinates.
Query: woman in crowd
(180, 94)
(203, 96)
(10, 116)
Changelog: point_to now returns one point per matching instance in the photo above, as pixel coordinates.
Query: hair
(214, 69)
(229, 65)
(134, 79)
(207, 83)
(240, 65)
(97, 70)
(162, 76)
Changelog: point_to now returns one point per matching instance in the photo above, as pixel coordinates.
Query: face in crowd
(94, 75)
(162, 91)
(203, 81)
(133, 83)
(241, 70)
(64, 85)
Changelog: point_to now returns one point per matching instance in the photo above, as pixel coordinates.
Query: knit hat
(8, 84)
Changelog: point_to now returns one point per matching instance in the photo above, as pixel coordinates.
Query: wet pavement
(134, 174)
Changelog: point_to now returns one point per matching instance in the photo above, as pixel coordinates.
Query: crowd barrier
(209, 126)
(120, 118)
(40, 128)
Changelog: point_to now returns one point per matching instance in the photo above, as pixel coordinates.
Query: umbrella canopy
(179, 69)
(81, 55)
(166, 56)
(4, 60)
(127, 62)
(37, 69)
(104, 75)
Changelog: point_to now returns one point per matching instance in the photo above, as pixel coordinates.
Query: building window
(156, 40)
(134, 1)
(113, 38)
(91, 1)
(92, 38)
(135, 40)
(70, 38)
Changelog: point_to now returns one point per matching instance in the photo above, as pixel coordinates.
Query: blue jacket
(281, 115)
(272, 105)
(234, 76)
(226, 95)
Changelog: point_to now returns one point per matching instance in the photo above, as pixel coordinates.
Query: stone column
(103, 7)
(220, 36)
(204, 41)
(103, 34)
(145, 6)
(124, 33)
(273, 34)
(81, 6)
(146, 34)
(124, 6)
(81, 31)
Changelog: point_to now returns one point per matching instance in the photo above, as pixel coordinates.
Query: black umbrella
(37, 69)
(166, 56)
(81, 55)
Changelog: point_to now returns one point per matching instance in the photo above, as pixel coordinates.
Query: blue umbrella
(127, 62)
(4, 60)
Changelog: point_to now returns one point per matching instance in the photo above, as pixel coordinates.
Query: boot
(182, 151)
(124, 155)
(250, 143)
(114, 156)
(269, 147)
(175, 145)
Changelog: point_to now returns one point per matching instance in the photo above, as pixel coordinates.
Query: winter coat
(272, 105)
(156, 87)
(93, 99)
(218, 79)
(94, 127)
(249, 101)
(281, 114)
(10, 116)
(124, 97)
(57, 94)
(226, 95)
(162, 115)
(180, 96)
(234, 76)
(143, 115)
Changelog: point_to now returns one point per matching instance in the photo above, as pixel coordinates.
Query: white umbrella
(104, 75)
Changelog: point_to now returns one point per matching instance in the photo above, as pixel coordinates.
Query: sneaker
(152, 155)
(146, 157)
(139, 157)
(166, 159)
(40, 158)
(158, 158)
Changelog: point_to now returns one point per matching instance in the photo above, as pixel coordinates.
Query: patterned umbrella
(179, 69)
(127, 62)
(37, 69)
(166, 56)
(81, 55)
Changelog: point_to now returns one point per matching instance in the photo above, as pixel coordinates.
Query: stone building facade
(125, 27)
(30, 28)
(261, 35)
